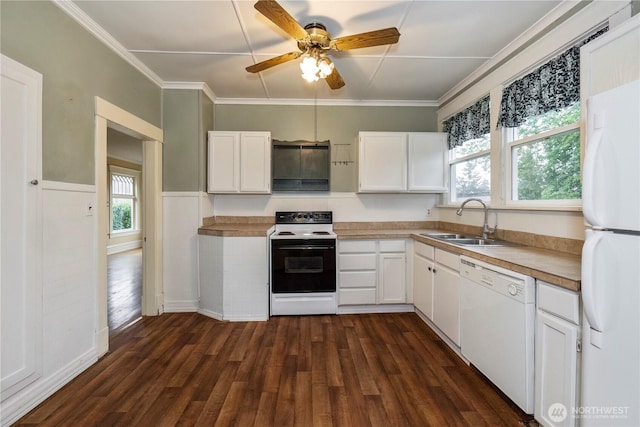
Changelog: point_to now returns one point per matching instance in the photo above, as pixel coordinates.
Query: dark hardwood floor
(186, 369)
(124, 289)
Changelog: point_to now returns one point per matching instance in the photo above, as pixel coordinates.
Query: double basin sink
(465, 240)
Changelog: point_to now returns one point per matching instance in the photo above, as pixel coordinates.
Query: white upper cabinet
(382, 162)
(239, 162)
(398, 162)
(427, 157)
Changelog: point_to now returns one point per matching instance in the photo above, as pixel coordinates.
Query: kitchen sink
(448, 236)
(463, 240)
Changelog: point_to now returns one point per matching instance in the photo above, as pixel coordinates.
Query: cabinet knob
(34, 182)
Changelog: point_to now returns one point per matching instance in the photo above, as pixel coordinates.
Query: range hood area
(300, 165)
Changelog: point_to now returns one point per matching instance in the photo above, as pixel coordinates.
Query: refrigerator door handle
(590, 160)
(589, 281)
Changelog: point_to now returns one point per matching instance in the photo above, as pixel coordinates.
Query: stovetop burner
(303, 225)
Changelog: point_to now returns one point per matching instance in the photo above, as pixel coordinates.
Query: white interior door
(21, 219)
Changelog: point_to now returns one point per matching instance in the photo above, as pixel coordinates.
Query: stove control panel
(304, 217)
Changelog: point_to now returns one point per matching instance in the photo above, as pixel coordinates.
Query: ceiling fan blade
(276, 14)
(260, 66)
(372, 38)
(334, 80)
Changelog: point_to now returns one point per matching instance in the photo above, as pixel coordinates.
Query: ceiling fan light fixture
(325, 67)
(309, 67)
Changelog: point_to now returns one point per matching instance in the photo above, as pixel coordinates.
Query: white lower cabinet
(372, 272)
(556, 355)
(446, 294)
(234, 277)
(423, 272)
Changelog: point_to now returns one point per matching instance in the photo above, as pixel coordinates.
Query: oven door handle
(303, 247)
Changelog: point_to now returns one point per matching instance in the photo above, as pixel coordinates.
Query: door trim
(109, 115)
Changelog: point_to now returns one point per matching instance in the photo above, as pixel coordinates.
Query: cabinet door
(382, 160)
(423, 285)
(393, 279)
(223, 162)
(446, 302)
(556, 369)
(255, 162)
(427, 157)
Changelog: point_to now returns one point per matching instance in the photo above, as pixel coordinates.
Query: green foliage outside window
(549, 168)
(121, 216)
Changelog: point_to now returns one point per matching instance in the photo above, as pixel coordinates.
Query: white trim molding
(326, 102)
(192, 86)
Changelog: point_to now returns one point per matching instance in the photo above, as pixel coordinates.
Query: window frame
(135, 212)
(509, 178)
(453, 161)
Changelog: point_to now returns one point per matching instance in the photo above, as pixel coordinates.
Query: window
(124, 200)
(470, 166)
(539, 115)
(469, 152)
(543, 157)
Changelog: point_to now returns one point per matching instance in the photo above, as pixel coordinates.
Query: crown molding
(192, 86)
(102, 35)
(325, 102)
(551, 20)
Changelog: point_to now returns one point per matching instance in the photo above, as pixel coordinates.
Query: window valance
(553, 86)
(470, 123)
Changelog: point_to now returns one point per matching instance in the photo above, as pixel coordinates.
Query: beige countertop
(240, 229)
(558, 268)
(555, 267)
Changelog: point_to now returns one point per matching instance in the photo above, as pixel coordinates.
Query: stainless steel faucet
(486, 231)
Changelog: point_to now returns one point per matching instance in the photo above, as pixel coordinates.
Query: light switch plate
(89, 208)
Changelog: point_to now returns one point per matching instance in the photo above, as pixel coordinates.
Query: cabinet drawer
(357, 262)
(357, 296)
(424, 250)
(392, 246)
(357, 279)
(347, 246)
(560, 302)
(449, 259)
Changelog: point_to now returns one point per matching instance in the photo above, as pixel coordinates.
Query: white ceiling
(441, 43)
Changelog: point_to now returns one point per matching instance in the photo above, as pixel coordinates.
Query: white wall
(69, 294)
(346, 207)
(181, 213)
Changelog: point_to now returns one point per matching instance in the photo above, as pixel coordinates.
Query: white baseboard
(123, 247)
(102, 341)
(209, 313)
(180, 306)
(382, 308)
(24, 401)
(246, 318)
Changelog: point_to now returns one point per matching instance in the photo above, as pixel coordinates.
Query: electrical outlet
(428, 212)
(88, 209)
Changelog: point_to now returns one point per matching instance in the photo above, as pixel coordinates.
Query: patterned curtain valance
(470, 123)
(553, 86)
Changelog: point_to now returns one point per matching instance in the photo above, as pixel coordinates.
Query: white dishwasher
(497, 323)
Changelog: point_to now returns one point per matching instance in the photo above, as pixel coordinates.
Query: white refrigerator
(610, 365)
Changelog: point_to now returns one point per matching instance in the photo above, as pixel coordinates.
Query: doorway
(109, 116)
(124, 243)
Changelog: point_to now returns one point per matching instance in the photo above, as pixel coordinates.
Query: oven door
(303, 265)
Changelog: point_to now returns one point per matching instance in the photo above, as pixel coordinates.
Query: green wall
(339, 124)
(76, 67)
(187, 116)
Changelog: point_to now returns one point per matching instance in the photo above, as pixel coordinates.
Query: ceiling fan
(314, 40)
